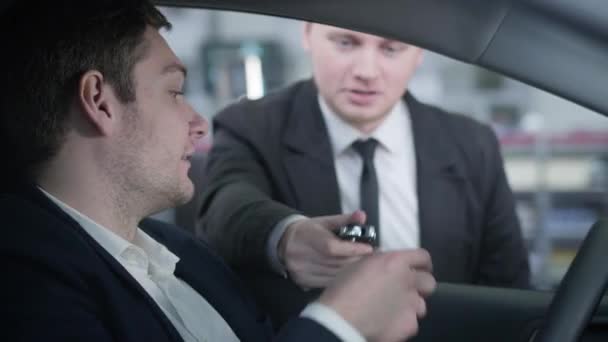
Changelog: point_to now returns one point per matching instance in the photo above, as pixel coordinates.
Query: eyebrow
(341, 35)
(175, 67)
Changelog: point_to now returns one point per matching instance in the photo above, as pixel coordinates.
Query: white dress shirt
(395, 162)
(152, 265)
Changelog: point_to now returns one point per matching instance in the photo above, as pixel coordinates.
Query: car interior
(559, 46)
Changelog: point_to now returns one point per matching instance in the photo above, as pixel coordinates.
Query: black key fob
(358, 233)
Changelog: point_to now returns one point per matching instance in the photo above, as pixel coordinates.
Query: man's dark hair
(50, 45)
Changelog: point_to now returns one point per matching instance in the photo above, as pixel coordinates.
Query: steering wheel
(580, 291)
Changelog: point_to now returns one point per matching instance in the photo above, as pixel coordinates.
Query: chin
(178, 196)
(364, 118)
(187, 193)
(362, 113)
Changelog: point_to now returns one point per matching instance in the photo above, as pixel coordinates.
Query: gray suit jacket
(272, 158)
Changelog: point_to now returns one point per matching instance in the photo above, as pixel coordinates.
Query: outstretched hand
(313, 255)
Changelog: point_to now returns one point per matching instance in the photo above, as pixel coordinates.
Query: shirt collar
(395, 128)
(162, 261)
(389, 133)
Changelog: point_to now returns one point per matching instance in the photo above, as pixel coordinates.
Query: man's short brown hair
(52, 44)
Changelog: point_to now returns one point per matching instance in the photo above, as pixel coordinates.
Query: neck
(95, 196)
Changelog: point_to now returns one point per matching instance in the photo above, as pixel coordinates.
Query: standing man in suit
(284, 167)
(102, 135)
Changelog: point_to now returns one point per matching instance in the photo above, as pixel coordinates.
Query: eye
(390, 50)
(344, 43)
(393, 49)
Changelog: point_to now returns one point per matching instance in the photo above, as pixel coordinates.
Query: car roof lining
(477, 22)
(556, 45)
(560, 46)
(556, 55)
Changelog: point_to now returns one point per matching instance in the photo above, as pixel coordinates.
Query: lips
(188, 156)
(360, 97)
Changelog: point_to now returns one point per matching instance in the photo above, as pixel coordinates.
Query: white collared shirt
(395, 162)
(153, 265)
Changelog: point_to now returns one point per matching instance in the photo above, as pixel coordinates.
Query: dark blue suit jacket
(59, 284)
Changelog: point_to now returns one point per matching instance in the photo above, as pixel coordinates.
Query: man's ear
(306, 35)
(97, 101)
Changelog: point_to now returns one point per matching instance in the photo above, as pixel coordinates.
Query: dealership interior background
(555, 152)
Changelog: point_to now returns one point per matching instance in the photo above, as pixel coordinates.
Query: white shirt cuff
(272, 246)
(331, 320)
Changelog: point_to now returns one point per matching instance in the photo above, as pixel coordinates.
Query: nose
(199, 127)
(366, 66)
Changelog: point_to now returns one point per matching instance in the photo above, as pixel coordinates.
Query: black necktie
(369, 183)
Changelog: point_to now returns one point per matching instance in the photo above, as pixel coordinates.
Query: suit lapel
(441, 179)
(39, 198)
(308, 158)
(204, 272)
(440, 187)
(215, 282)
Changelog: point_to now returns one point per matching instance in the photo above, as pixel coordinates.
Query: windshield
(554, 151)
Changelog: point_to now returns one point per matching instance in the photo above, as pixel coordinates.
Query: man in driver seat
(102, 135)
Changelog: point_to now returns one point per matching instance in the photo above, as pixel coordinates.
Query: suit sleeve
(237, 212)
(40, 306)
(503, 254)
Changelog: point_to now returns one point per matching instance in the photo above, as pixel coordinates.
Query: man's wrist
(272, 246)
(332, 321)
